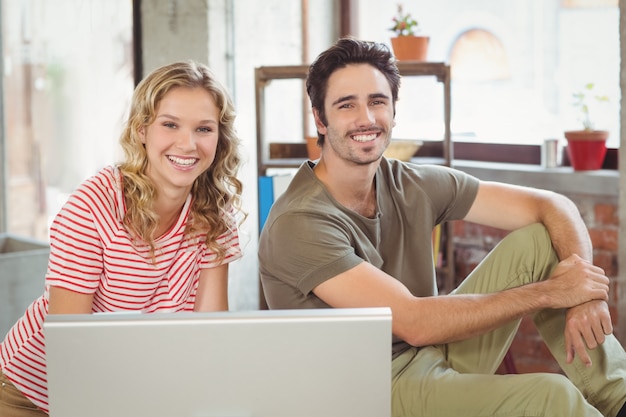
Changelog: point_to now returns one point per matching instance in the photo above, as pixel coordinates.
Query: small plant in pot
(586, 148)
(406, 45)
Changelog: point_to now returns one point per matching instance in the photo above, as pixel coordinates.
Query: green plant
(582, 102)
(403, 23)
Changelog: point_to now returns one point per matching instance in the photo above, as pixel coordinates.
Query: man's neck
(352, 186)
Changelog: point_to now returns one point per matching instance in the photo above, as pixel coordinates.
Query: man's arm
(424, 321)
(510, 207)
(431, 320)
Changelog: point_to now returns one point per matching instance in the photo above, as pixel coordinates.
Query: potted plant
(586, 148)
(406, 45)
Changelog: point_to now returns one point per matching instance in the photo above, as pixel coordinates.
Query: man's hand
(586, 326)
(587, 321)
(575, 281)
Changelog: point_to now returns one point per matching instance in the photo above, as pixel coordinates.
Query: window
(68, 77)
(478, 56)
(515, 64)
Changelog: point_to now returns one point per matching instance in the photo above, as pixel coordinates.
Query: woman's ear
(142, 134)
(321, 127)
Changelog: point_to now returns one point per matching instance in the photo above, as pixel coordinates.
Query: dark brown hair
(344, 52)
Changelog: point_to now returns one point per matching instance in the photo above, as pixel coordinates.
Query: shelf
(296, 162)
(264, 75)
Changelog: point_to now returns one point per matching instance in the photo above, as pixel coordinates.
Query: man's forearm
(567, 229)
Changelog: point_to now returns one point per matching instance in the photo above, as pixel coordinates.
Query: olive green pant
(458, 379)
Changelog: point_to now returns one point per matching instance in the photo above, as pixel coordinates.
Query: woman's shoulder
(107, 178)
(104, 187)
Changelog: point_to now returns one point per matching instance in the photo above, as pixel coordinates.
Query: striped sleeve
(76, 249)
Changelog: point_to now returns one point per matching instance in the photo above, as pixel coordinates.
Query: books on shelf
(270, 188)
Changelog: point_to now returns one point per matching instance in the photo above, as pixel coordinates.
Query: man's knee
(535, 234)
(531, 246)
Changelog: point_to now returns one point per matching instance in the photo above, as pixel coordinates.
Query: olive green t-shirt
(309, 237)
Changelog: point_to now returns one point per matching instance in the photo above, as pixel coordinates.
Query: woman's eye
(170, 125)
(205, 129)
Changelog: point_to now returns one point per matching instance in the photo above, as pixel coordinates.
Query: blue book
(270, 188)
(266, 199)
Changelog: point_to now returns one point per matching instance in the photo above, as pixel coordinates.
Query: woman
(154, 233)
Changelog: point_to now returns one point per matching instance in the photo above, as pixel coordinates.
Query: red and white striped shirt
(91, 252)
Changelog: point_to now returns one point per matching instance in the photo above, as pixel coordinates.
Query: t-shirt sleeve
(76, 259)
(314, 249)
(452, 192)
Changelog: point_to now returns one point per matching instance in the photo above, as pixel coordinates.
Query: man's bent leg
(424, 385)
(524, 256)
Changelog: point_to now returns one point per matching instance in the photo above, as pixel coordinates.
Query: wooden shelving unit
(293, 158)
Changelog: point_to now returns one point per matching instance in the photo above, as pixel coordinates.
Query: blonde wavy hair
(216, 193)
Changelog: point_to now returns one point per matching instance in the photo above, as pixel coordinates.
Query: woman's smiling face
(182, 140)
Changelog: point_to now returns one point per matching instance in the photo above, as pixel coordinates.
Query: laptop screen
(266, 363)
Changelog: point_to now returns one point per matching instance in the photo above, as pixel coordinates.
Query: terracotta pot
(312, 149)
(410, 48)
(586, 149)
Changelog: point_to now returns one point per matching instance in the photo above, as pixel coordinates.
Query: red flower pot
(586, 149)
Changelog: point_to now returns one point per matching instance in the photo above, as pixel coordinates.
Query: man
(354, 230)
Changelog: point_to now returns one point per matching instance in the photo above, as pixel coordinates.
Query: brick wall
(472, 242)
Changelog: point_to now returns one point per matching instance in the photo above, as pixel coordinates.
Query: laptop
(266, 363)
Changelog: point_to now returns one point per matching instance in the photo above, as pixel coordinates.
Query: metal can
(549, 153)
